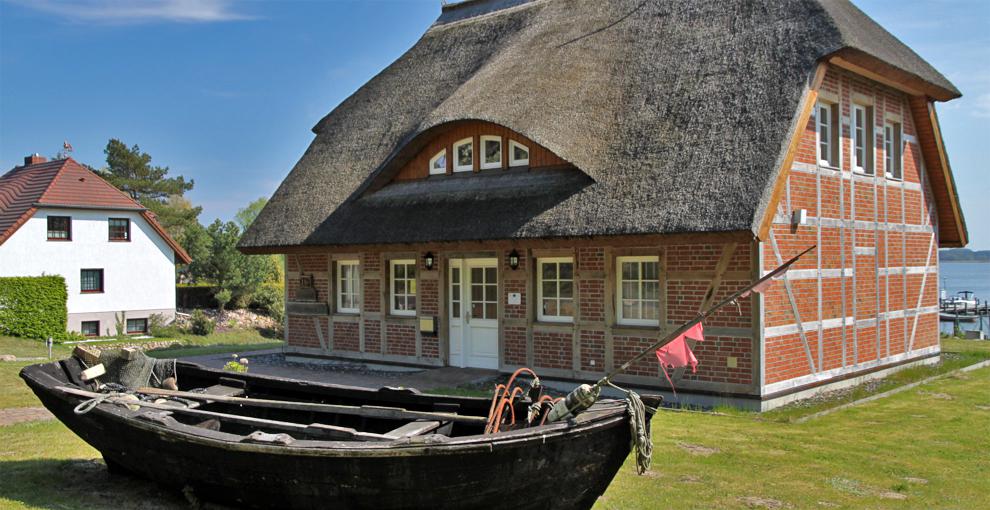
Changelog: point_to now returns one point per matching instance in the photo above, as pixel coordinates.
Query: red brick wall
(895, 231)
(346, 336)
(552, 349)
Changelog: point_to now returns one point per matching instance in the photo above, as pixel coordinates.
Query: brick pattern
(552, 349)
(625, 347)
(371, 295)
(713, 356)
(868, 248)
(346, 336)
(302, 331)
(592, 302)
(591, 259)
(429, 297)
(515, 311)
(400, 339)
(592, 350)
(372, 336)
(514, 339)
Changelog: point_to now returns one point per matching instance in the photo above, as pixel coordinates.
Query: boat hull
(563, 468)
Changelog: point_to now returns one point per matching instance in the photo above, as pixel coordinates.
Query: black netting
(140, 370)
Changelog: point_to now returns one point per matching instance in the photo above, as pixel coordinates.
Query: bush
(200, 324)
(160, 327)
(223, 297)
(270, 298)
(33, 307)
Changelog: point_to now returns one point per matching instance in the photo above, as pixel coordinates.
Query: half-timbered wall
(691, 275)
(867, 297)
(418, 167)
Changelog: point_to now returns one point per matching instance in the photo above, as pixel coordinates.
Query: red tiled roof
(64, 183)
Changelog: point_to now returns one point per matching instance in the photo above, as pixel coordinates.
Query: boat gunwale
(587, 423)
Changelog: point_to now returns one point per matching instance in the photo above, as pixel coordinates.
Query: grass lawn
(922, 448)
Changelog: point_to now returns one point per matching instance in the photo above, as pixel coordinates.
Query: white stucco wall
(137, 276)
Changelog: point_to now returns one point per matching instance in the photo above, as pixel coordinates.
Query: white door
(473, 312)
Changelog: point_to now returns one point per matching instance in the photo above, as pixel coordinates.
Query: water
(957, 276)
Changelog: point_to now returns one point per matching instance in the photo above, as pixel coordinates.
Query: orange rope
(503, 396)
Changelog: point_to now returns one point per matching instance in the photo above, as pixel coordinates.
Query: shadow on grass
(81, 483)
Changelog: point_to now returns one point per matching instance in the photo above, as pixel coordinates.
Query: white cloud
(137, 11)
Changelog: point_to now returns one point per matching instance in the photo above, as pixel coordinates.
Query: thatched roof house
(641, 123)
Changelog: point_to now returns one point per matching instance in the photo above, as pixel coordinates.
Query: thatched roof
(678, 111)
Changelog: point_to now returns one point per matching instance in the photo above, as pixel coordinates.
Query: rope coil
(641, 439)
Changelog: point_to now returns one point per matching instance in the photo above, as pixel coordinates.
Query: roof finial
(66, 150)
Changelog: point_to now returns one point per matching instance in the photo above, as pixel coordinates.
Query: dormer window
(491, 151)
(464, 155)
(518, 154)
(438, 163)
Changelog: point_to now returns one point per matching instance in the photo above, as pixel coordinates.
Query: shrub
(200, 324)
(223, 297)
(270, 298)
(120, 322)
(160, 327)
(33, 307)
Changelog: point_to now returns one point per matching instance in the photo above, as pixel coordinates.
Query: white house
(58, 217)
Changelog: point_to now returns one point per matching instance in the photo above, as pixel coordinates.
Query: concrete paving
(350, 373)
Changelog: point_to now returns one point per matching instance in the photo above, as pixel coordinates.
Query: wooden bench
(413, 428)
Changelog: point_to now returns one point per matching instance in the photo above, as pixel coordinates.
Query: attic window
(464, 155)
(438, 163)
(518, 154)
(892, 150)
(862, 130)
(491, 147)
(828, 136)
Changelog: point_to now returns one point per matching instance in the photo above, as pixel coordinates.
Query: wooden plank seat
(413, 428)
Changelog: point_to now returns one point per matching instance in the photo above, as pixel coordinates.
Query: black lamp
(514, 260)
(429, 260)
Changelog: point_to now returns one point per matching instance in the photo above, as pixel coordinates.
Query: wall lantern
(514, 260)
(429, 260)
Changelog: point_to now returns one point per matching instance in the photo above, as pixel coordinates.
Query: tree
(246, 216)
(130, 170)
(229, 269)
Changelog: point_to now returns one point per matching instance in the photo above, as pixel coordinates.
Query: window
(59, 228)
(120, 229)
(402, 292)
(464, 155)
(91, 280)
(555, 287)
(828, 135)
(491, 152)
(347, 286)
(638, 291)
(438, 163)
(484, 293)
(90, 328)
(892, 150)
(137, 326)
(862, 130)
(518, 154)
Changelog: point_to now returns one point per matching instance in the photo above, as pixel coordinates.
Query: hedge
(33, 306)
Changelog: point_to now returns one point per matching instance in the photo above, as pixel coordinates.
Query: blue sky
(226, 92)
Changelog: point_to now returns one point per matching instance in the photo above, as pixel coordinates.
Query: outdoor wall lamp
(429, 260)
(514, 260)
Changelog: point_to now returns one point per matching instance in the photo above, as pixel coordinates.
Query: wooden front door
(473, 312)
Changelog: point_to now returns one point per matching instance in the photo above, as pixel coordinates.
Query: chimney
(34, 159)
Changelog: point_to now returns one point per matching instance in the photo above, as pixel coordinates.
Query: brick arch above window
(418, 167)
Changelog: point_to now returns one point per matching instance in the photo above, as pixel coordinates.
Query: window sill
(119, 240)
(56, 240)
(637, 328)
(893, 178)
(91, 292)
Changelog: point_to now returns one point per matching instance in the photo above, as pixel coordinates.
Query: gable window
(90, 328)
(892, 157)
(555, 287)
(518, 154)
(59, 228)
(464, 155)
(120, 229)
(438, 163)
(828, 135)
(91, 281)
(137, 326)
(862, 132)
(402, 288)
(491, 152)
(347, 286)
(638, 291)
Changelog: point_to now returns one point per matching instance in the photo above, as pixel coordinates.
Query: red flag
(677, 353)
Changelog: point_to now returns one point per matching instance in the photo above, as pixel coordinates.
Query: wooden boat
(301, 454)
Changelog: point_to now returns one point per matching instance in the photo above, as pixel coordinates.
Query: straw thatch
(677, 112)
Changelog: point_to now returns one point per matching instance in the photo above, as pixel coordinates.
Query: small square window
(638, 291)
(59, 228)
(120, 229)
(348, 287)
(90, 328)
(555, 289)
(137, 326)
(491, 152)
(91, 280)
(464, 155)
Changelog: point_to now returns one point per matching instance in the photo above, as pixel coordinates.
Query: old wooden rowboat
(298, 457)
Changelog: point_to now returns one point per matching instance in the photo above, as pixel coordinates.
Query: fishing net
(140, 370)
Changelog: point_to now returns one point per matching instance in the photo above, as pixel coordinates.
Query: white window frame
(866, 166)
(438, 171)
(457, 166)
(826, 159)
(484, 151)
(355, 289)
(895, 152)
(391, 287)
(539, 288)
(512, 154)
(618, 291)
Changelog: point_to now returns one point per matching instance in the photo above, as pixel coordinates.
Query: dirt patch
(914, 480)
(937, 396)
(23, 414)
(828, 504)
(8, 357)
(983, 407)
(758, 502)
(689, 479)
(653, 474)
(849, 486)
(697, 449)
(892, 495)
